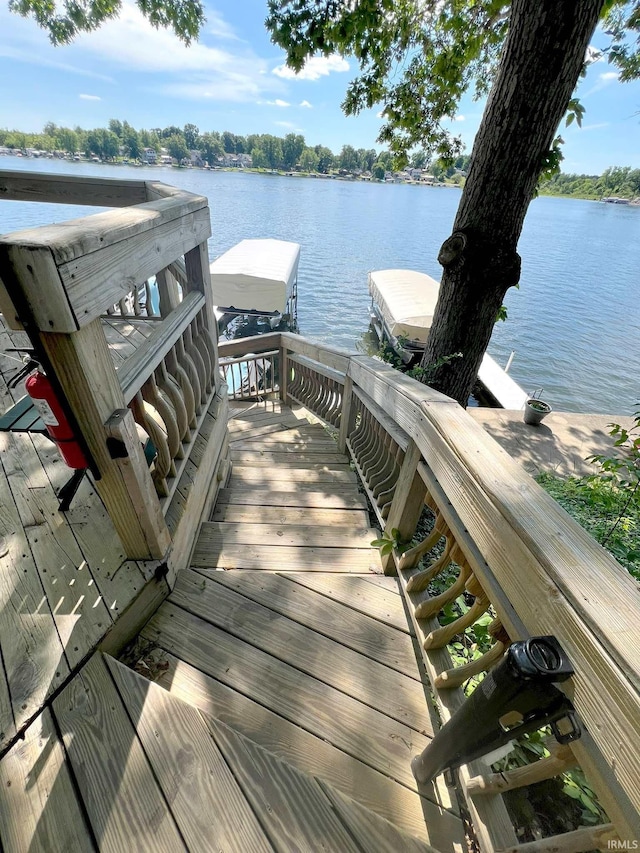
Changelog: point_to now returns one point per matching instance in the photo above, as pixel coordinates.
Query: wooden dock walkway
(277, 698)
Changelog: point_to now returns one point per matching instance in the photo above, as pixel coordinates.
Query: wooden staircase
(292, 503)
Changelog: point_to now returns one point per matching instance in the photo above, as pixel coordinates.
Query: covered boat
(257, 277)
(403, 305)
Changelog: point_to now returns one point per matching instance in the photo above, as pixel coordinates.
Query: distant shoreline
(447, 184)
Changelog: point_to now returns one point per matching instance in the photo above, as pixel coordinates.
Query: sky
(235, 79)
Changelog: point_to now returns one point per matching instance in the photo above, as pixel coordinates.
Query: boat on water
(403, 303)
(255, 287)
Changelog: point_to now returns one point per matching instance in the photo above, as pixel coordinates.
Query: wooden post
(85, 373)
(347, 418)
(407, 504)
(284, 372)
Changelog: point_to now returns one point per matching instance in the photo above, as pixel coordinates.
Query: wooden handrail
(70, 189)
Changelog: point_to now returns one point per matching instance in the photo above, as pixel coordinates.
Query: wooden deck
(276, 705)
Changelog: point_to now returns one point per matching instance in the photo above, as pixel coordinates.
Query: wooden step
(349, 499)
(274, 558)
(277, 443)
(328, 461)
(308, 516)
(316, 473)
(220, 533)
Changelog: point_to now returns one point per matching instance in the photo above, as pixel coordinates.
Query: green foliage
(605, 511)
(177, 147)
(65, 20)
(424, 374)
(388, 542)
(621, 181)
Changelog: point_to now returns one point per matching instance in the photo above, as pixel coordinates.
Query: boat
(255, 284)
(403, 303)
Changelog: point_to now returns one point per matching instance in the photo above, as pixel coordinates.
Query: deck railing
(511, 549)
(62, 283)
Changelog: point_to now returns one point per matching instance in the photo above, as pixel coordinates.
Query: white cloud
(459, 118)
(605, 79)
(305, 104)
(90, 97)
(289, 125)
(597, 126)
(380, 114)
(217, 26)
(314, 69)
(278, 103)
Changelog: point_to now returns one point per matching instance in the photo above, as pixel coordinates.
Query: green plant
(388, 542)
(621, 470)
(423, 374)
(539, 405)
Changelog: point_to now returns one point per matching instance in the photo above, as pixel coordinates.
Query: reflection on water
(574, 322)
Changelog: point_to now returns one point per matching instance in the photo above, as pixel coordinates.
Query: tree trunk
(543, 56)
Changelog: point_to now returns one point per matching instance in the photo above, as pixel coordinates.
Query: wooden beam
(70, 189)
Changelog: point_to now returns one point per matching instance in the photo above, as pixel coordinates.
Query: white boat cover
(256, 275)
(407, 301)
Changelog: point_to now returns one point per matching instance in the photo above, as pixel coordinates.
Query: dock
(206, 651)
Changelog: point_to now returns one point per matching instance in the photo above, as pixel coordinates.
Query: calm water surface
(574, 323)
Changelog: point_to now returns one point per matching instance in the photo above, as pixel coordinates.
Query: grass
(596, 505)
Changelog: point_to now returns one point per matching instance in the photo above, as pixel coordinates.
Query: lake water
(574, 323)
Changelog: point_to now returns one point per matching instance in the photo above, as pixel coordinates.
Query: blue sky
(234, 79)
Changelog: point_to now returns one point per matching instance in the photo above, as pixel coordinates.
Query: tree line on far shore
(618, 181)
(120, 139)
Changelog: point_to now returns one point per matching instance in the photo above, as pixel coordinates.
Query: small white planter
(535, 411)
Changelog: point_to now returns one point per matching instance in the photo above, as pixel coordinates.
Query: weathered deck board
(356, 592)
(32, 655)
(206, 802)
(309, 516)
(124, 804)
(223, 533)
(287, 441)
(291, 805)
(347, 499)
(356, 631)
(80, 613)
(39, 811)
(370, 682)
(272, 558)
(310, 753)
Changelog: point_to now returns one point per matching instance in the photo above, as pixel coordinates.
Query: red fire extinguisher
(40, 389)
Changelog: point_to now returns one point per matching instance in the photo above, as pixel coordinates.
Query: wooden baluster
(201, 347)
(153, 416)
(180, 375)
(210, 343)
(347, 414)
(171, 389)
(457, 675)
(386, 486)
(194, 380)
(151, 395)
(136, 301)
(163, 459)
(148, 294)
(196, 358)
(122, 305)
(168, 292)
(422, 579)
(559, 760)
(432, 606)
(441, 636)
(411, 557)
